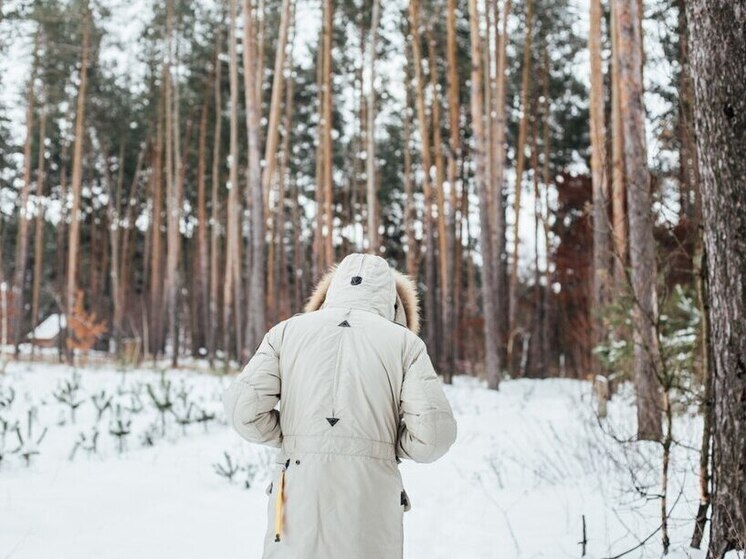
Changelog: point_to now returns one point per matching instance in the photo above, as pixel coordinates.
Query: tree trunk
(601, 233)
(492, 357)
(231, 284)
(39, 224)
(409, 208)
(173, 194)
(327, 136)
(213, 319)
(19, 276)
(498, 154)
(252, 68)
(427, 217)
(642, 243)
(520, 167)
(370, 162)
(77, 167)
(445, 350)
(618, 189)
(720, 115)
(450, 317)
(201, 282)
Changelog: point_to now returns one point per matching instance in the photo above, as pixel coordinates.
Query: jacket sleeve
(427, 428)
(251, 398)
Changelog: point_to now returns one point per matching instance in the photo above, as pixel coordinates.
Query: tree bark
(618, 189)
(327, 136)
(445, 350)
(492, 357)
(409, 207)
(370, 162)
(39, 223)
(427, 218)
(77, 167)
(19, 275)
(257, 300)
(520, 167)
(601, 233)
(719, 74)
(231, 284)
(642, 242)
(454, 142)
(498, 154)
(213, 318)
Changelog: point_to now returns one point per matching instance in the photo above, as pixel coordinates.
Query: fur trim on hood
(407, 300)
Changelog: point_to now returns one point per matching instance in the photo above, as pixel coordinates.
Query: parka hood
(367, 282)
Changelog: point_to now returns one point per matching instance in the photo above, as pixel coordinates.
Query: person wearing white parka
(357, 392)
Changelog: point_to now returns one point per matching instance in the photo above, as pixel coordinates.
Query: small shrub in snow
(6, 427)
(162, 397)
(184, 415)
(7, 397)
(28, 445)
(135, 404)
(89, 443)
(120, 427)
(204, 417)
(69, 394)
(250, 470)
(149, 437)
(228, 468)
(102, 402)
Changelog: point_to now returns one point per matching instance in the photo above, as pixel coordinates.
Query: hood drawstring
(279, 503)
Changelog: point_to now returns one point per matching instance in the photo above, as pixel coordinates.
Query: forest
(563, 179)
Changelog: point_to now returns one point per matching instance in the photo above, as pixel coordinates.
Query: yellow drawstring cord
(278, 505)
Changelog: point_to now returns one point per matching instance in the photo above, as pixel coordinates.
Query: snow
(49, 327)
(529, 462)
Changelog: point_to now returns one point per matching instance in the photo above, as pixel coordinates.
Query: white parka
(356, 392)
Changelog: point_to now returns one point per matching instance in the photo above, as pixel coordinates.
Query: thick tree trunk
(231, 284)
(492, 357)
(445, 350)
(601, 232)
(450, 317)
(427, 217)
(252, 67)
(173, 194)
(497, 217)
(642, 242)
(720, 114)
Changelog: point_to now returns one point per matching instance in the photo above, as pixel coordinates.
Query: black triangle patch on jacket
(332, 420)
(344, 324)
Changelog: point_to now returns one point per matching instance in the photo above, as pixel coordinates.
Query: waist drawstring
(278, 505)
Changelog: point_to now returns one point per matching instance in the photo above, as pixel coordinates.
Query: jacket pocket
(405, 502)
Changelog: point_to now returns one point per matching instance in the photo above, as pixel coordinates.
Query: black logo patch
(356, 280)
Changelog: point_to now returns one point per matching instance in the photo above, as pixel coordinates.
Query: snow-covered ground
(530, 461)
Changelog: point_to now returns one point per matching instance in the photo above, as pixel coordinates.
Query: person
(356, 392)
